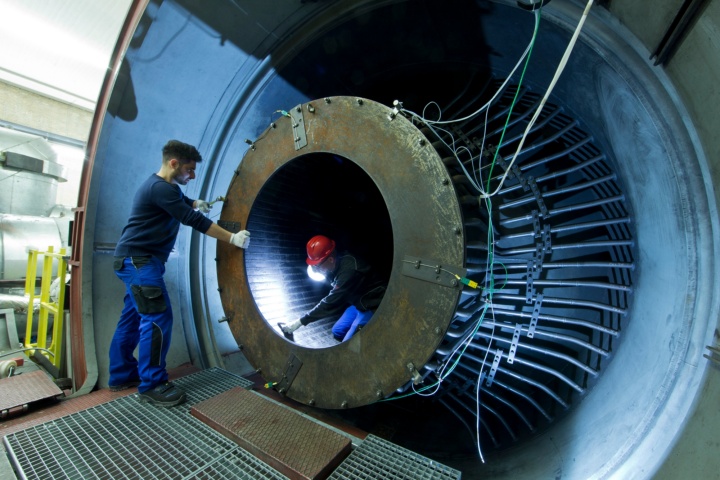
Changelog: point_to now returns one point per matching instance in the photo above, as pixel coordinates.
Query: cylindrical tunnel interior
(317, 193)
(596, 203)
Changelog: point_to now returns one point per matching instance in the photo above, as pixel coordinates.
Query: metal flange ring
(426, 224)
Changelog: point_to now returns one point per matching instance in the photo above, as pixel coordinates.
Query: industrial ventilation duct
(589, 297)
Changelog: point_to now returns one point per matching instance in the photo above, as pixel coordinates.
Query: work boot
(164, 395)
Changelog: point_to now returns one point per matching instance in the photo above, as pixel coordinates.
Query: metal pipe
(544, 351)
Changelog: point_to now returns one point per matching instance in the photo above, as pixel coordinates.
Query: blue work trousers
(145, 322)
(349, 322)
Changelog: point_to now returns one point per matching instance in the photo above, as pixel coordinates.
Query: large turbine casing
(215, 74)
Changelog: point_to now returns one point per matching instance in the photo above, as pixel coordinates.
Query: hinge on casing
(298, 127)
(292, 367)
(432, 271)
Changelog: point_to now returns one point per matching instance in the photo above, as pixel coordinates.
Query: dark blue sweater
(158, 210)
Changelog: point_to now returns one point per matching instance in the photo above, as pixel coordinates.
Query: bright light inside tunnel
(315, 194)
(318, 277)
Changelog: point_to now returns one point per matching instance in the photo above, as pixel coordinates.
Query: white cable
(558, 72)
(474, 181)
(502, 87)
(477, 387)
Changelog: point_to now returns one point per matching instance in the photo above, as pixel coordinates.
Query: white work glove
(240, 239)
(288, 328)
(203, 206)
(292, 326)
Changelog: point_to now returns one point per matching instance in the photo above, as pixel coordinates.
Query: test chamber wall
(212, 75)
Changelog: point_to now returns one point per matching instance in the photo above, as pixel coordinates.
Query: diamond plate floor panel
(124, 439)
(20, 390)
(293, 444)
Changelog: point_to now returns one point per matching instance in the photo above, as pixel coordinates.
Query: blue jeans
(349, 322)
(145, 322)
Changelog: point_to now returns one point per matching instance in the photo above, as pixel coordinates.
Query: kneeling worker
(356, 291)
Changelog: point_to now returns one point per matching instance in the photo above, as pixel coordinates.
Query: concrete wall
(22, 107)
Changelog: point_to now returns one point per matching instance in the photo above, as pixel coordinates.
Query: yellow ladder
(46, 306)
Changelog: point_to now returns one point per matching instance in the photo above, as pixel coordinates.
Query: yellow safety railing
(46, 306)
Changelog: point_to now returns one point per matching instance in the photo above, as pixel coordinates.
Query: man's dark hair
(182, 151)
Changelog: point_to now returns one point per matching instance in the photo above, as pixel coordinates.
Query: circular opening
(310, 197)
(315, 194)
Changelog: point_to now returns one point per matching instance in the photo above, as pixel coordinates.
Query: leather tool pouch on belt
(149, 299)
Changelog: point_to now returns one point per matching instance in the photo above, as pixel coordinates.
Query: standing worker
(158, 209)
(356, 290)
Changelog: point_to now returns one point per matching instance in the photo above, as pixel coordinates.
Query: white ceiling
(59, 48)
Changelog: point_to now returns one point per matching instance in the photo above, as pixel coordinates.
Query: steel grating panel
(376, 458)
(291, 443)
(124, 439)
(20, 390)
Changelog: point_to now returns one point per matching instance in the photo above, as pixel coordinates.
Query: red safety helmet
(318, 249)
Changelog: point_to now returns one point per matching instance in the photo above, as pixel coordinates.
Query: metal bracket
(493, 369)
(298, 127)
(232, 227)
(459, 133)
(535, 315)
(543, 245)
(416, 377)
(514, 343)
(530, 289)
(713, 352)
(515, 172)
(538, 197)
(432, 271)
(292, 367)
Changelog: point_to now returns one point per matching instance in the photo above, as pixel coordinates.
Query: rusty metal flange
(426, 224)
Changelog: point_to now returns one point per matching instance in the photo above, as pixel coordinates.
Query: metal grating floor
(124, 439)
(376, 459)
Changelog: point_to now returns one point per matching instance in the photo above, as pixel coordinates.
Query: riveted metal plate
(282, 438)
(433, 271)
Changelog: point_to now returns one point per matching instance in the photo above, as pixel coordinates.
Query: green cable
(491, 254)
(517, 92)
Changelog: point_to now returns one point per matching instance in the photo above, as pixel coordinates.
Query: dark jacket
(355, 283)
